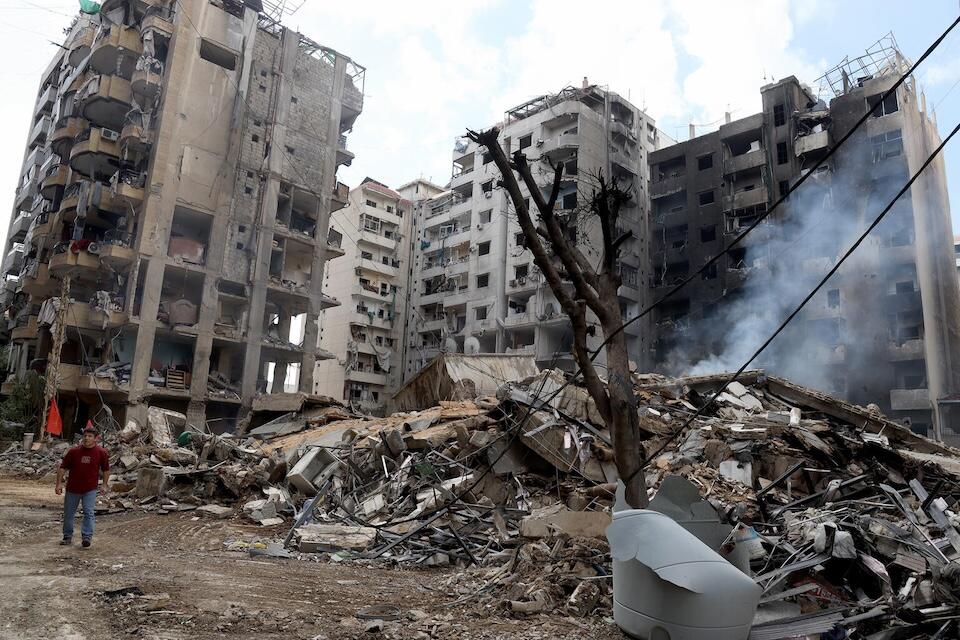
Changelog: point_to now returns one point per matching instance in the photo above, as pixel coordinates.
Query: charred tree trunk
(595, 289)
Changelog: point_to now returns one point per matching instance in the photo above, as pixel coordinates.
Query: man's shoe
(65, 542)
(86, 543)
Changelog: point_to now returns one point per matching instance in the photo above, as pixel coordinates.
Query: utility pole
(53, 361)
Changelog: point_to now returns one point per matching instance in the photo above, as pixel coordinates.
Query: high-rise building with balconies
(173, 209)
(365, 333)
(886, 328)
(474, 287)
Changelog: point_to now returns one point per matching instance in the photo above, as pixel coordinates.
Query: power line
(793, 314)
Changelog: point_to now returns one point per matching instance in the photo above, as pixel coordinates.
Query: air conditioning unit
(522, 280)
(110, 134)
(480, 227)
(539, 142)
(513, 283)
(358, 271)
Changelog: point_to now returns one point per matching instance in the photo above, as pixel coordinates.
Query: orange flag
(54, 423)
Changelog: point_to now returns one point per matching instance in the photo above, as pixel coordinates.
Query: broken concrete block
(309, 467)
(330, 537)
(131, 431)
(480, 439)
(373, 504)
(164, 424)
(129, 461)
(176, 455)
(783, 417)
(216, 510)
(271, 522)
(555, 520)
(737, 471)
(737, 389)
(151, 481)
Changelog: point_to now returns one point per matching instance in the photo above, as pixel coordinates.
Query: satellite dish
(450, 345)
(471, 346)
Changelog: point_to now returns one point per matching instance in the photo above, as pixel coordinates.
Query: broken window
(784, 188)
(882, 107)
(673, 168)
(487, 157)
(189, 236)
(520, 240)
(487, 188)
(779, 115)
(569, 201)
(521, 271)
(782, 157)
(833, 298)
(705, 162)
(887, 145)
(708, 234)
(706, 197)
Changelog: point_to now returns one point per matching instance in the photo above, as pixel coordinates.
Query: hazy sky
(436, 67)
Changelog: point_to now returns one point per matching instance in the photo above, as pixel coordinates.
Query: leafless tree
(594, 288)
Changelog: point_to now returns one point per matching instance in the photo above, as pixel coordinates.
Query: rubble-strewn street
(170, 576)
(477, 513)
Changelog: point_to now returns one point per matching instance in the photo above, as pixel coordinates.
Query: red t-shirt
(84, 466)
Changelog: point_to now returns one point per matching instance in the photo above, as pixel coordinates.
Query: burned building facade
(171, 223)
(885, 328)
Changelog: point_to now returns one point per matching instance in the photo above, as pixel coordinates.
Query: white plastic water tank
(667, 585)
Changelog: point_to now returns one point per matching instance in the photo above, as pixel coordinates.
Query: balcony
(23, 201)
(27, 330)
(744, 162)
(80, 315)
(129, 187)
(116, 256)
(745, 199)
(134, 138)
(104, 100)
(81, 44)
(432, 326)
(559, 146)
(901, 301)
(39, 132)
(520, 320)
(39, 284)
(96, 154)
(147, 79)
(910, 399)
(54, 181)
(156, 23)
(77, 378)
(19, 227)
(909, 350)
(327, 301)
(621, 160)
(116, 51)
(457, 298)
(13, 261)
(81, 264)
(333, 249)
(105, 201)
(370, 319)
(65, 130)
(369, 377)
(377, 240)
(343, 156)
(667, 186)
(340, 197)
(812, 142)
(46, 100)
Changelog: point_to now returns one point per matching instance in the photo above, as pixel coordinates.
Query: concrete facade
(365, 333)
(193, 154)
(475, 287)
(885, 329)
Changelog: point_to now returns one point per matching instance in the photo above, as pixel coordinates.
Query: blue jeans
(70, 503)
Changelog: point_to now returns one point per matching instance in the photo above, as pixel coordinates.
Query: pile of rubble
(847, 521)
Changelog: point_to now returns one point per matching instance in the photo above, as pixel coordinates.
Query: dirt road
(186, 585)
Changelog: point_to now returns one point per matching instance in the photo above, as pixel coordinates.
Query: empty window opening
(886, 107)
(483, 280)
(705, 162)
(218, 55)
(706, 197)
(708, 234)
(189, 236)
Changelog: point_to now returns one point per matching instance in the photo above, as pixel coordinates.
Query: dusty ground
(191, 587)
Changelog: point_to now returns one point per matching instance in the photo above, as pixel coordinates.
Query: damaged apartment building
(170, 227)
(474, 286)
(885, 329)
(364, 333)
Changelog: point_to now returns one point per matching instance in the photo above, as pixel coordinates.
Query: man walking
(86, 464)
